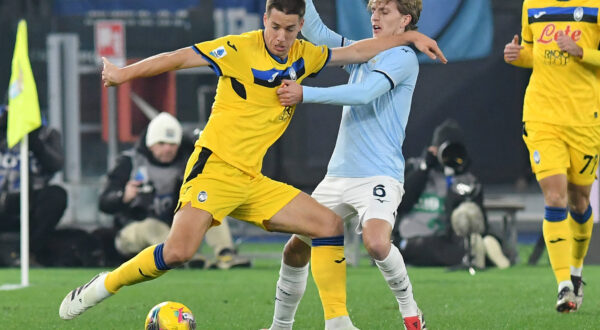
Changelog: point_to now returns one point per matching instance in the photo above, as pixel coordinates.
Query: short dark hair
(288, 7)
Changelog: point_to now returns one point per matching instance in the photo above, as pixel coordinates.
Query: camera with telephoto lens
(143, 201)
(453, 155)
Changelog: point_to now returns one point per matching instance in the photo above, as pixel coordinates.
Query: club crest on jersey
(578, 14)
(219, 52)
(202, 196)
(536, 157)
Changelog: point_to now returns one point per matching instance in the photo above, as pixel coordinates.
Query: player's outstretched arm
(373, 86)
(179, 59)
(363, 50)
(316, 31)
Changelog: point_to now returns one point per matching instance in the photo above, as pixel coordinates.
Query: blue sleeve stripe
(555, 214)
(158, 257)
(392, 85)
(314, 74)
(329, 241)
(213, 65)
(582, 218)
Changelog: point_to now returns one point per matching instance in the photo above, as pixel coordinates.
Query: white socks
(576, 271)
(290, 288)
(394, 272)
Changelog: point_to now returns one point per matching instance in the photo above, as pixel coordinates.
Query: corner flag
(24, 108)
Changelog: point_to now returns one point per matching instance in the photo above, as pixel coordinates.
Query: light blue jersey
(376, 101)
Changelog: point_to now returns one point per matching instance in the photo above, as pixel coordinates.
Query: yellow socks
(328, 267)
(581, 229)
(557, 236)
(146, 265)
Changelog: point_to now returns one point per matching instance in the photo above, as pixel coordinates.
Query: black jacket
(111, 196)
(46, 158)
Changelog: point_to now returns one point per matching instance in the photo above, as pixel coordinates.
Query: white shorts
(375, 197)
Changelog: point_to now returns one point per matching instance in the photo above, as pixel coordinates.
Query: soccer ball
(170, 315)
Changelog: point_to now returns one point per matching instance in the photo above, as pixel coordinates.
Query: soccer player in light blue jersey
(366, 172)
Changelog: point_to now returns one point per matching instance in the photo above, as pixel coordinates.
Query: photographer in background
(442, 208)
(47, 203)
(142, 190)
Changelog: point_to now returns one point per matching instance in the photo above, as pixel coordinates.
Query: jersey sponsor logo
(540, 14)
(286, 113)
(231, 45)
(550, 34)
(202, 196)
(219, 52)
(578, 14)
(556, 57)
(273, 77)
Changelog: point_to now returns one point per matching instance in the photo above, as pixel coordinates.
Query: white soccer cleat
(84, 297)
(578, 284)
(566, 301)
(340, 323)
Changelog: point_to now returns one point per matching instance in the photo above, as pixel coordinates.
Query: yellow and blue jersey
(563, 89)
(246, 117)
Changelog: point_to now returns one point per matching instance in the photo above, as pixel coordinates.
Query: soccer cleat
(566, 301)
(84, 297)
(416, 322)
(578, 284)
(230, 259)
(340, 323)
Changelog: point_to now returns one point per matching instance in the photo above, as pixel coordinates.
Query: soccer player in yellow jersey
(223, 175)
(561, 127)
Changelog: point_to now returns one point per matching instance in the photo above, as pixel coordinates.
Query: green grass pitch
(521, 297)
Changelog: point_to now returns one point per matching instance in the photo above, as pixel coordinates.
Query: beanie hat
(163, 128)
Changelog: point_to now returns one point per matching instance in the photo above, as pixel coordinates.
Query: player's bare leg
(185, 236)
(376, 237)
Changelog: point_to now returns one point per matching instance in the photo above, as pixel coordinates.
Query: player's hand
(427, 46)
(567, 44)
(110, 74)
(512, 50)
(290, 93)
(131, 190)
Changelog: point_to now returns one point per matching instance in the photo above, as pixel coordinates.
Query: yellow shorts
(555, 149)
(213, 185)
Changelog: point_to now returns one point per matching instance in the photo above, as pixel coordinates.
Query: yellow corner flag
(24, 108)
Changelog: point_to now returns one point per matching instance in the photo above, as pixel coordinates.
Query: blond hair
(405, 7)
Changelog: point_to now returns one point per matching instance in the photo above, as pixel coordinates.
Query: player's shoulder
(307, 47)
(400, 55)
(250, 37)
(401, 51)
